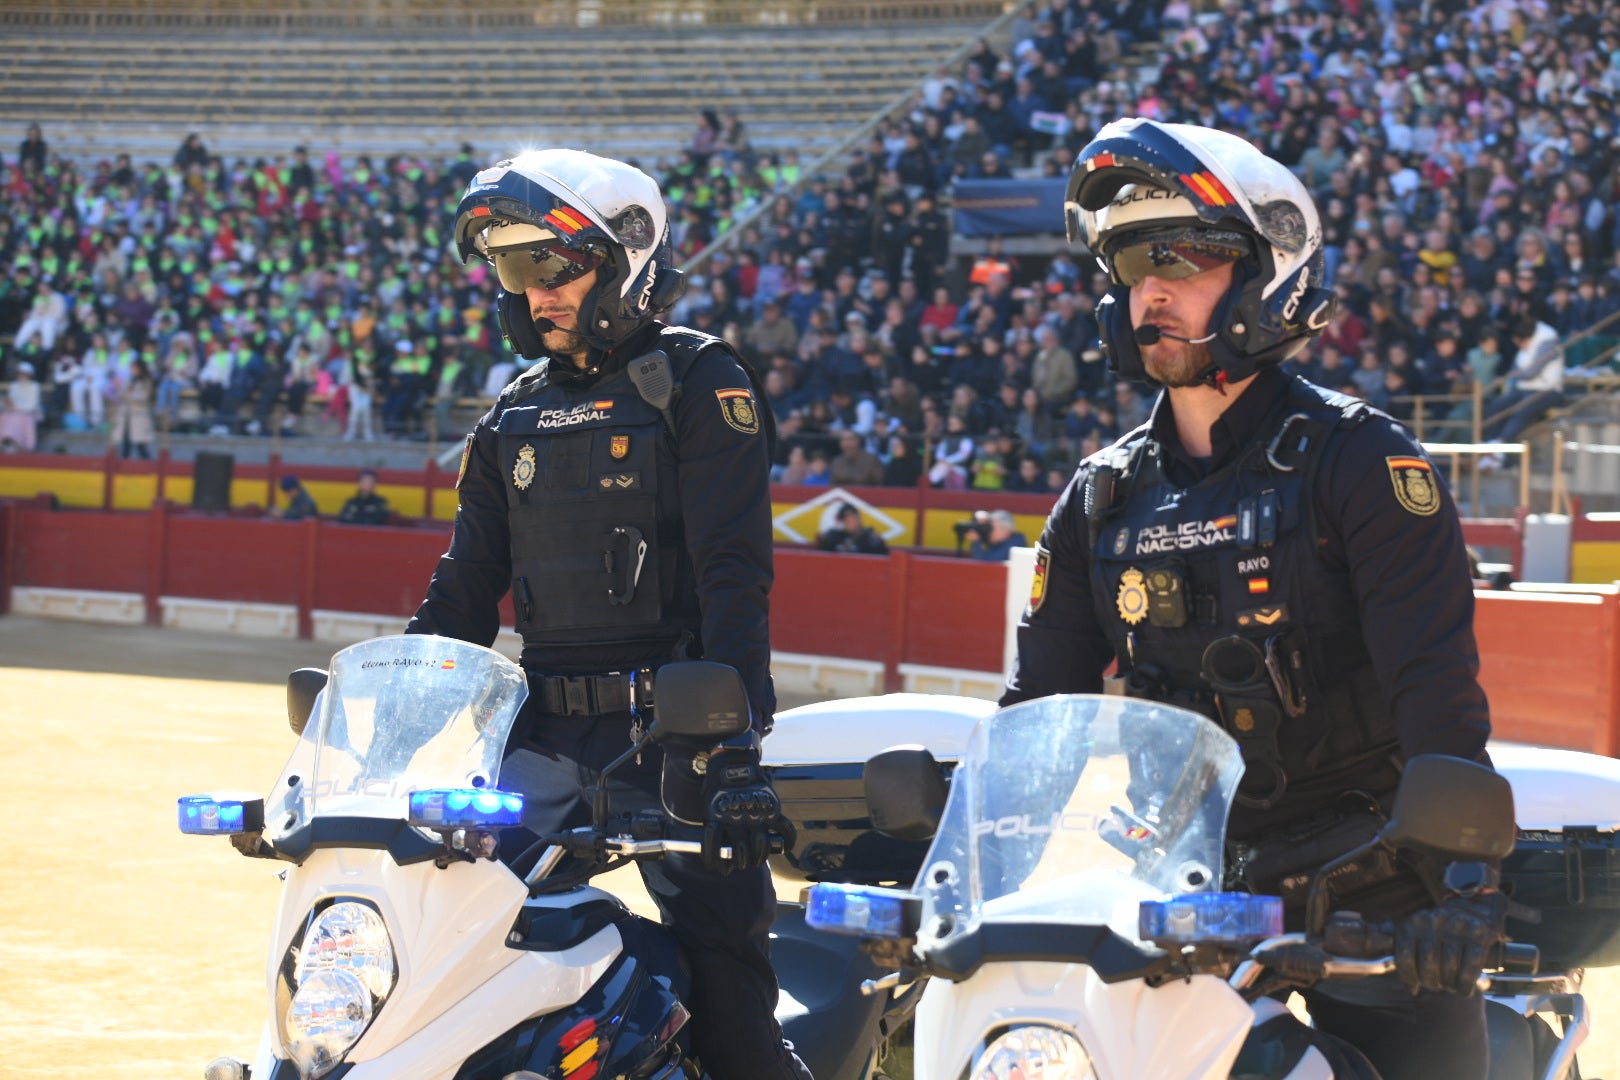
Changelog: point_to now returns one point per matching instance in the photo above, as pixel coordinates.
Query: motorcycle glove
(1443, 948)
(740, 808)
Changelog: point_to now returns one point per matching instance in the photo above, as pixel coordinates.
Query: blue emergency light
(1210, 919)
(465, 808)
(220, 815)
(862, 911)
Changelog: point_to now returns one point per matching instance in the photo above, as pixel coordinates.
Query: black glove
(740, 806)
(1443, 948)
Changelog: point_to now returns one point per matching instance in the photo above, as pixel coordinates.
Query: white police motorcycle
(1065, 920)
(403, 948)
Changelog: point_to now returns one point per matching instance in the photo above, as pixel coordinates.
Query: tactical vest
(598, 543)
(1220, 598)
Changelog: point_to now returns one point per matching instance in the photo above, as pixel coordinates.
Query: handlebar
(1351, 947)
(644, 835)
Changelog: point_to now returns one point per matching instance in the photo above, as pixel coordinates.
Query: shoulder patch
(466, 454)
(1415, 486)
(739, 411)
(1037, 584)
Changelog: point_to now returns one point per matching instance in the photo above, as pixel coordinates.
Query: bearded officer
(1279, 557)
(620, 489)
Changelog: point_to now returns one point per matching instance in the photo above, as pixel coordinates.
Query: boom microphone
(546, 326)
(1149, 334)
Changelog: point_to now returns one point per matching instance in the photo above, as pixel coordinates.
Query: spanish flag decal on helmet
(1208, 188)
(567, 219)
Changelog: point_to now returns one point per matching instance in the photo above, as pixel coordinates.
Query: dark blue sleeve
(1408, 569)
(1062, 648)
(464, 596)
(725, 490)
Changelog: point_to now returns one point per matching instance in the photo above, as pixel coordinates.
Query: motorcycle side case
(1566, 862)
(816, 756)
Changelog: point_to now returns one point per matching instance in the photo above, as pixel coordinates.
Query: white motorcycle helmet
(1187, 199)
(547, 217)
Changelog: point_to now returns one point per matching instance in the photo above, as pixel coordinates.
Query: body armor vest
(597, 535)
(1219, 598)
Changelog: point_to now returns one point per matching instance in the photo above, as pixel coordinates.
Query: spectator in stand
(902, 467)
(996, 542)
(47, 319)
(1535, 383)
(19, 421)
(32, 151)
(299, 503)
(855, 465)
(851, 534)
(365, 506)
(133, 428)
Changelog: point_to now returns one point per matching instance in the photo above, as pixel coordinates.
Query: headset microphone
(544, 326)
(1149, 334)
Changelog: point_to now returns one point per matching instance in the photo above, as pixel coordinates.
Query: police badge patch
(1133, 598)
(523, 471)
(1415, 487)
(737, 406)
(618, 446)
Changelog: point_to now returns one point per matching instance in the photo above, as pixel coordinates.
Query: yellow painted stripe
(579, 1055)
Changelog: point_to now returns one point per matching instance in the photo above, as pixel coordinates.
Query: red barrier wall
(1550, 664)
(1549, 661)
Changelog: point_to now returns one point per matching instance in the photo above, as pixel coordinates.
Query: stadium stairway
(626, 91)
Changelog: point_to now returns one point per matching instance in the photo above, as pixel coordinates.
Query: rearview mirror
(1453, 807)
(905, 792)
(303, 686)
(699, 699)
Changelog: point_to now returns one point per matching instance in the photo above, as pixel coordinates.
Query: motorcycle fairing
(636, 1012)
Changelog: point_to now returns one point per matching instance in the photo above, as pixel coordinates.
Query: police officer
(1279, 557)
(620, 488)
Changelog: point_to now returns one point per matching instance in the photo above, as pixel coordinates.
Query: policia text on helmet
(1167, 202)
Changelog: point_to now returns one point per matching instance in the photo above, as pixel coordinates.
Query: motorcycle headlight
(1034, 1052)
(344, 972)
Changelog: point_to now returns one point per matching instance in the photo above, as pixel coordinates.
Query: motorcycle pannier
(1566, 864)
(816, 756)
(1572, 877)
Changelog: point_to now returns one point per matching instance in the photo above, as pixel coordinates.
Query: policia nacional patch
(1415, 487)
(523, 471)
(1037, 584)
(737, 406)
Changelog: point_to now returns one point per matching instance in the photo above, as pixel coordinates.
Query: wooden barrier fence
(1550, 661)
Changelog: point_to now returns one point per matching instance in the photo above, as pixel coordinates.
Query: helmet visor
(1173, 254)
(544, 266)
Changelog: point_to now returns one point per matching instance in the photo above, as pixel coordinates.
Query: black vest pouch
(1236, 670)
(587, 565)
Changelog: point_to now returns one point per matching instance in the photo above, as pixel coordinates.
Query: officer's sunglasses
(1174, 255)
(544, 266)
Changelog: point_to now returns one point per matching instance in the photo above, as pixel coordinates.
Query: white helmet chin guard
(587, 205)
(1140, 174)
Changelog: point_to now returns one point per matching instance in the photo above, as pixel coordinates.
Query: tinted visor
(544, 266)
(1173, 254)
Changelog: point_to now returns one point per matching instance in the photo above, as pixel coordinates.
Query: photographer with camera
(994, 533)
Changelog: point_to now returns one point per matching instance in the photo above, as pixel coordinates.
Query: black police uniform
(1307, 588)
(628, 539)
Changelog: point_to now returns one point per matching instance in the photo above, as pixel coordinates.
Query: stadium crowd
(1462, 157)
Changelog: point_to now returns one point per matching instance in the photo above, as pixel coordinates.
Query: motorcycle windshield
(1073, 809)
(409, 713)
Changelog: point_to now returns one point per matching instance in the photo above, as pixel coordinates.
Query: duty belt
(590, 695)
